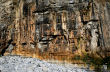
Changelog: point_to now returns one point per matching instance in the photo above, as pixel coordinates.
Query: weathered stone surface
(56, 29)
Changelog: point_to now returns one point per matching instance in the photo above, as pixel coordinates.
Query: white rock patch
(21, 64)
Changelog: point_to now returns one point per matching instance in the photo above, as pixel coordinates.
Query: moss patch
(96, 62)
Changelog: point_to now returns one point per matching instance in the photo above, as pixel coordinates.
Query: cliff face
(54, 29)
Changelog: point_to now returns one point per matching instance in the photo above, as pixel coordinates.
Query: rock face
(54, 28)
(7, 17)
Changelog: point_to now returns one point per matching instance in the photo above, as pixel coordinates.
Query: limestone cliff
(57, 29)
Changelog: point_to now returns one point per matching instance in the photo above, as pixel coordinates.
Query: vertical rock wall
(56, 29)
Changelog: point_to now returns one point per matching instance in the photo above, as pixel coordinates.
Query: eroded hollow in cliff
(26, 10)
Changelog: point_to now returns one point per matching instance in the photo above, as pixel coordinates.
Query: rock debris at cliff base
(23, 64)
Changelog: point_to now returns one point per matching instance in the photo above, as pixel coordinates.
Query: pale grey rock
(22, 64)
